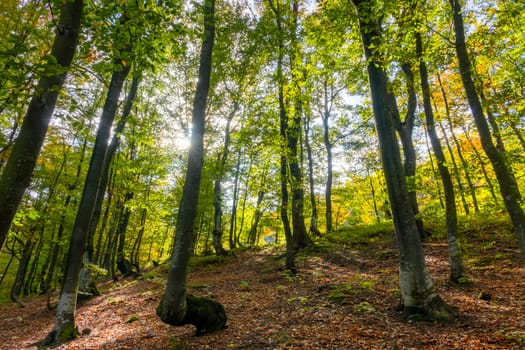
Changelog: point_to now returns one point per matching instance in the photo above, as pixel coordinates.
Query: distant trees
(507, 183)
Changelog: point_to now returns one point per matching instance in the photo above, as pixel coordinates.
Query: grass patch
(206, 260)
(356, 287)
(364, 234)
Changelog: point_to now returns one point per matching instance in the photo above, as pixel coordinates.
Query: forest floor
(344, 297)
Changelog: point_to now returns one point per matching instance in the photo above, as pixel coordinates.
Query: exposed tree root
(434, 310)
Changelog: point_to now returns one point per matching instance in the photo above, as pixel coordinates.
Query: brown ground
(343, 298)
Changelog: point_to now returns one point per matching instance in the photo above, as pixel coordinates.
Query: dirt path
(341, 299)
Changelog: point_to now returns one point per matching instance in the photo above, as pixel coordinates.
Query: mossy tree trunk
(419, 296)
(177, 307)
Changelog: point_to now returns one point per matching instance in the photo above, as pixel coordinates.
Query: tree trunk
(329, 162)
(508, 187)
(464, 164)
(21, 272)
(252, 234)
(112, 148)
(233, 221)
(313, 223)
(457, 271)
(431, 161)
(283, 126)
(217, 191)
(176, 306)
(293, 133)
(64, 328)
(457, 174)
(481, 164)
(405, 129)
(19, 168)
(419, 296)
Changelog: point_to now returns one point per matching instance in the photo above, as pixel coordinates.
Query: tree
(19, 168)
(508, 187)
(457, 271)
(64, 328)
(176, 306)
(418, 294)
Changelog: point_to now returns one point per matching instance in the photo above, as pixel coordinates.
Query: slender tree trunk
(21, 272)
(329, 162)
(11, 258)
(405, 129)
(481, 163)
(135, 251)
(293, 133)
(457, 270)
(233, 221)
(283, 126)
(431, 161)
(217, 191)
(457, 174)
(313, 223)
(419, 295)
(464, 164)
(500, 145)
(374, 197)
(509, 190)
(112, 148)
(64, 328)
(176, 306)
(245, 195)
(19, 168)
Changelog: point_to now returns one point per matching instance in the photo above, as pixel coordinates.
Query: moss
(69, 332)
(436, 310)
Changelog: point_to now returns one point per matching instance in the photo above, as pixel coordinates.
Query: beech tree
(508, 187)
(176, 306)
(457, 270)
(19, 168)
(418, 294)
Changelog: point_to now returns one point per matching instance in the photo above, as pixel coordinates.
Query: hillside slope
(342, 298)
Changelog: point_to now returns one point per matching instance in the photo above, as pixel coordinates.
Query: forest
(270, 174)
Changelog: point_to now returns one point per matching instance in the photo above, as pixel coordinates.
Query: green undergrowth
(363, 234)
(206, 260)
(476, 225)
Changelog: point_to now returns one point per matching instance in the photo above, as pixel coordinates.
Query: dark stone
(207, 315)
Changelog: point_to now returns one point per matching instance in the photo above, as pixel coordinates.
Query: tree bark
(457, 175)
(233, 241)
(176, 306)
(19, 168)
(405, 129)
(217, 190)
(283, 127)
(329, 159)
(464, 164)
(457, 270)
(64, 327)
(508, 188)
(313, 223)
(300, 235)
(419, 296)
(112, 148)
